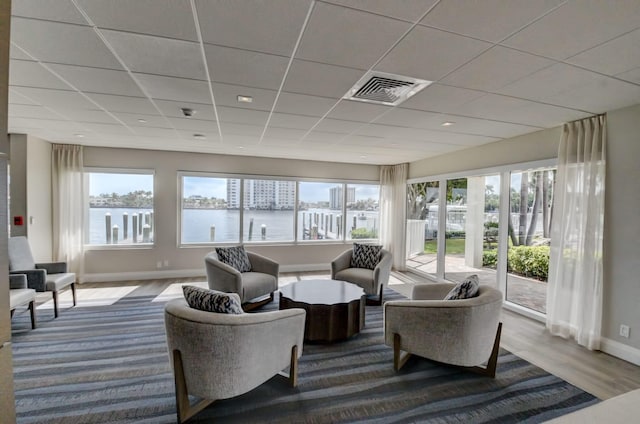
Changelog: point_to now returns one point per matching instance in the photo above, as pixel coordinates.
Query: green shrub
(530, 261)
(490, 258)
(363, 233)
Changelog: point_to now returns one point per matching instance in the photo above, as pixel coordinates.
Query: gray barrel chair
(255, 288)
(219, 356)
(465, 332)
(372, 281)
(49, 276)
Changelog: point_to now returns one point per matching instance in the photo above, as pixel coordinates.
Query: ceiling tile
(243, 129)
(177, 89)
(357, 111)
(191, 124)
(348, 31)
(430, 54)
(107, 129)
(614, 57)
(274, 133)
(463, 124)
(133, 119)
(633, 76)
(32, 111)
(227, 95)
(243, 67)
(285, 120)
(303, 104)
(408, 10)
(550, 83)
(55, 98)
(490, 20)
(556, 34)
(409, 118)
(87, 115)
(519, 111)
(124, 103)
(241, 116)
(16, 53)
(62, 43)
(438, 97)
(319, 79)
(166, 18)
(49, 124)
(95, 80)
(156, 55)
(323, 137)
(174, 108)
(253, 25)
(599, 96)
(211, 138)
(496, 68)
(17, 98)
(338, 126)
(32, 74)
(280, 142)
(156, 132)
(49, 10)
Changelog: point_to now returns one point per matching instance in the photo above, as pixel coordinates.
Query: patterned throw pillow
(465, 290)
(365, 255)
(212, 300)
(234, 256)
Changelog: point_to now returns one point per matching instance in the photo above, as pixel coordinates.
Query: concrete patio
(523, 291)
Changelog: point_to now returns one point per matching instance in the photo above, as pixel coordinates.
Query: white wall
(622, 211)
(138, 263)
(30, 163)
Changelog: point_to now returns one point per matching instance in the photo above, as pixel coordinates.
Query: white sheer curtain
(393, 204)
(68, 206)
(574, 294)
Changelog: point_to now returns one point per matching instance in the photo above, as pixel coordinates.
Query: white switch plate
(624, 331)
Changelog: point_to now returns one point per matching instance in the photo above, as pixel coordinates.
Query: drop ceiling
(117, 73)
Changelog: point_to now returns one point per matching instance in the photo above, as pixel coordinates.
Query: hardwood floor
(600, 374)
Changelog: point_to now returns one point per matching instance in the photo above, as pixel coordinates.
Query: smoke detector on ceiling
(385, 89)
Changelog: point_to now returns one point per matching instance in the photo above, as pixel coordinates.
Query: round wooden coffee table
(335, 309)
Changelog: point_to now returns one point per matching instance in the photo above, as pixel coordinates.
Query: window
(268, 210)
(363, 213)
(220, 209)
(495, 225)
(120, 207)
(210, 209)
(320, 211)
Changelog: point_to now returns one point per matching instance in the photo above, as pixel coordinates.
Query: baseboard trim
(620, 350)
(181, 273)
(141, 275)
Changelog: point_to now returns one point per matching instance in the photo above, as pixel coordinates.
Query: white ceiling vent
(385, 89)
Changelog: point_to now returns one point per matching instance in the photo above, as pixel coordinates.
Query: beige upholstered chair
(21, 295)
(255, 288)
(219, 356)
(372, 281)
(52, 276)
(463, 332)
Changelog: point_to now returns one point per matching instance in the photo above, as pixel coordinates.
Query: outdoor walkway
(524, 291)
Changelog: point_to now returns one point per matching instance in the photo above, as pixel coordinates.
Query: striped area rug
(109, 364)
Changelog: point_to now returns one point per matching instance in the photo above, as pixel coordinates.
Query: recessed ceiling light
(142, 121)
(447, 124)
(245, 99)
(363, 156)
(79, 135)
(200, 136)
(240, 147)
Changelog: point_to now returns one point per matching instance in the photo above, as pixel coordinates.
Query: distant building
(262, 194)
(335, 196)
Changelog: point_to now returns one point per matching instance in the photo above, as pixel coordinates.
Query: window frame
(86, 172)
(296, 221)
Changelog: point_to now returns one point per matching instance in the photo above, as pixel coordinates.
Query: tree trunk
(512, 234)
(524, 207)
(545, 204)
(536, 208)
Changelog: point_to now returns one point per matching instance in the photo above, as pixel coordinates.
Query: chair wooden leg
(12, 311)
(492, 363)
(73, 293)
(32, 311)
(184, 409)
(293, 368)
(399, 358)
(376, 302)
(55, 304)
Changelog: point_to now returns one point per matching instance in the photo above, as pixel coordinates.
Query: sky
(100, 183)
